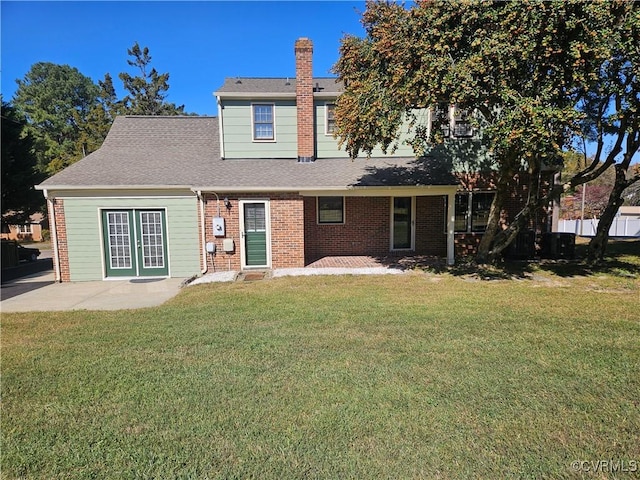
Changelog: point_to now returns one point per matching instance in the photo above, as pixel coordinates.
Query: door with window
(135, 243)
(255, 233)
(402, 222)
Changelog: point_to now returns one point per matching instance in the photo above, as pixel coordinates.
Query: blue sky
(198, 43)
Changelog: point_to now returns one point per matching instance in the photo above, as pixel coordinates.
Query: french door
(135, 243)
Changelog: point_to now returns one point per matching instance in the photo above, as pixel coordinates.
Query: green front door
(135, 243)
(255, 234)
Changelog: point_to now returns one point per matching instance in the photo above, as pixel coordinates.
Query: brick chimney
(304, 100)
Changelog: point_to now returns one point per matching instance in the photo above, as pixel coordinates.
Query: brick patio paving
(362, 261)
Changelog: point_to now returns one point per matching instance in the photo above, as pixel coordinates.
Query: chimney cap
(303, 42)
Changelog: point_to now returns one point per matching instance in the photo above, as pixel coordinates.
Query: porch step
(252, 276)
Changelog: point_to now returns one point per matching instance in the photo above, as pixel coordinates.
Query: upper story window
(453, 121)
(462, 123)
(331, 210)
(472, 211)
(329, 118)
(263, 123)
(440, 118)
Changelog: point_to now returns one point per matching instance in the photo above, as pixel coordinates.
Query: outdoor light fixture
(227, 203)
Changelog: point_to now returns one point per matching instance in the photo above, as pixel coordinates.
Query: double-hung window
(262, 119)
(24, 228)
(462, 127)
(440, 119)
(451, 121)
(330, 210)
(472, 211)
(329, 118)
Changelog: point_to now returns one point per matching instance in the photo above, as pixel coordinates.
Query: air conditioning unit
(523, 247)
(559, 245)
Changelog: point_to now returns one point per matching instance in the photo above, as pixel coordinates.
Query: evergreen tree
(93, 129)
(19, 173)
(147, 92)
(55, 100)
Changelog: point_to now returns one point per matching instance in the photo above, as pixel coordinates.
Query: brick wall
(297, 238)
(431, 236)
(304, 99)
(366, 230)
(467, 243)
(61, 239)
(286, 222)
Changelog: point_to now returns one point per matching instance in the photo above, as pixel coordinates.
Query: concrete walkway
(40, 293)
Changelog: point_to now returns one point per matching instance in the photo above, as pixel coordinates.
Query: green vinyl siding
(84, 234)
(238, 136)
(327, 145)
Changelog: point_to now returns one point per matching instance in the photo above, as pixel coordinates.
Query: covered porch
(379, 226)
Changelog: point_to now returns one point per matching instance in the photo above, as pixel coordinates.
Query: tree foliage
(147, 91)
(19, 173)
(68, 116)
(524, 66)
(55, 100)
(610, 107)
(94, 129)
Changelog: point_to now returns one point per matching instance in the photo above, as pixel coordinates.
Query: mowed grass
(409, 376)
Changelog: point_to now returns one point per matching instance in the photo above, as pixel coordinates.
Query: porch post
(451, 217)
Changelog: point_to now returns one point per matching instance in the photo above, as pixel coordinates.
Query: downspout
(205, 268)
(451, 222)
(220, 124)
(54, 236)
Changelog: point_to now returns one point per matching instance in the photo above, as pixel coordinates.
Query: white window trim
(253, 131)
(267, 224)
(451, 113)
(25, 229)
(469, 219)
(412, 222)
(344, 210)
(326, 118)
(167, 232)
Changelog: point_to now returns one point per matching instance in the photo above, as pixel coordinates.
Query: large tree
(54, 100)
(93, 129)
(19, 174)
(522, 65)
(611, 110)
(147, 91)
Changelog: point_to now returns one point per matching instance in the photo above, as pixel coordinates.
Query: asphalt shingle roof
(276, 85)
(183, 151)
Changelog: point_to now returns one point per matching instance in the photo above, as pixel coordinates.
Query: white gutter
(113, 187)
(314, 191)
(205, 268)
(54, 236)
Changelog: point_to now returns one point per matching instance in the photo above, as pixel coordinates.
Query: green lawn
(415, 376)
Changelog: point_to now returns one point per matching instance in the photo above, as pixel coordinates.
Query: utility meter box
(218, 226)
(211, 247)
(227, 245)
